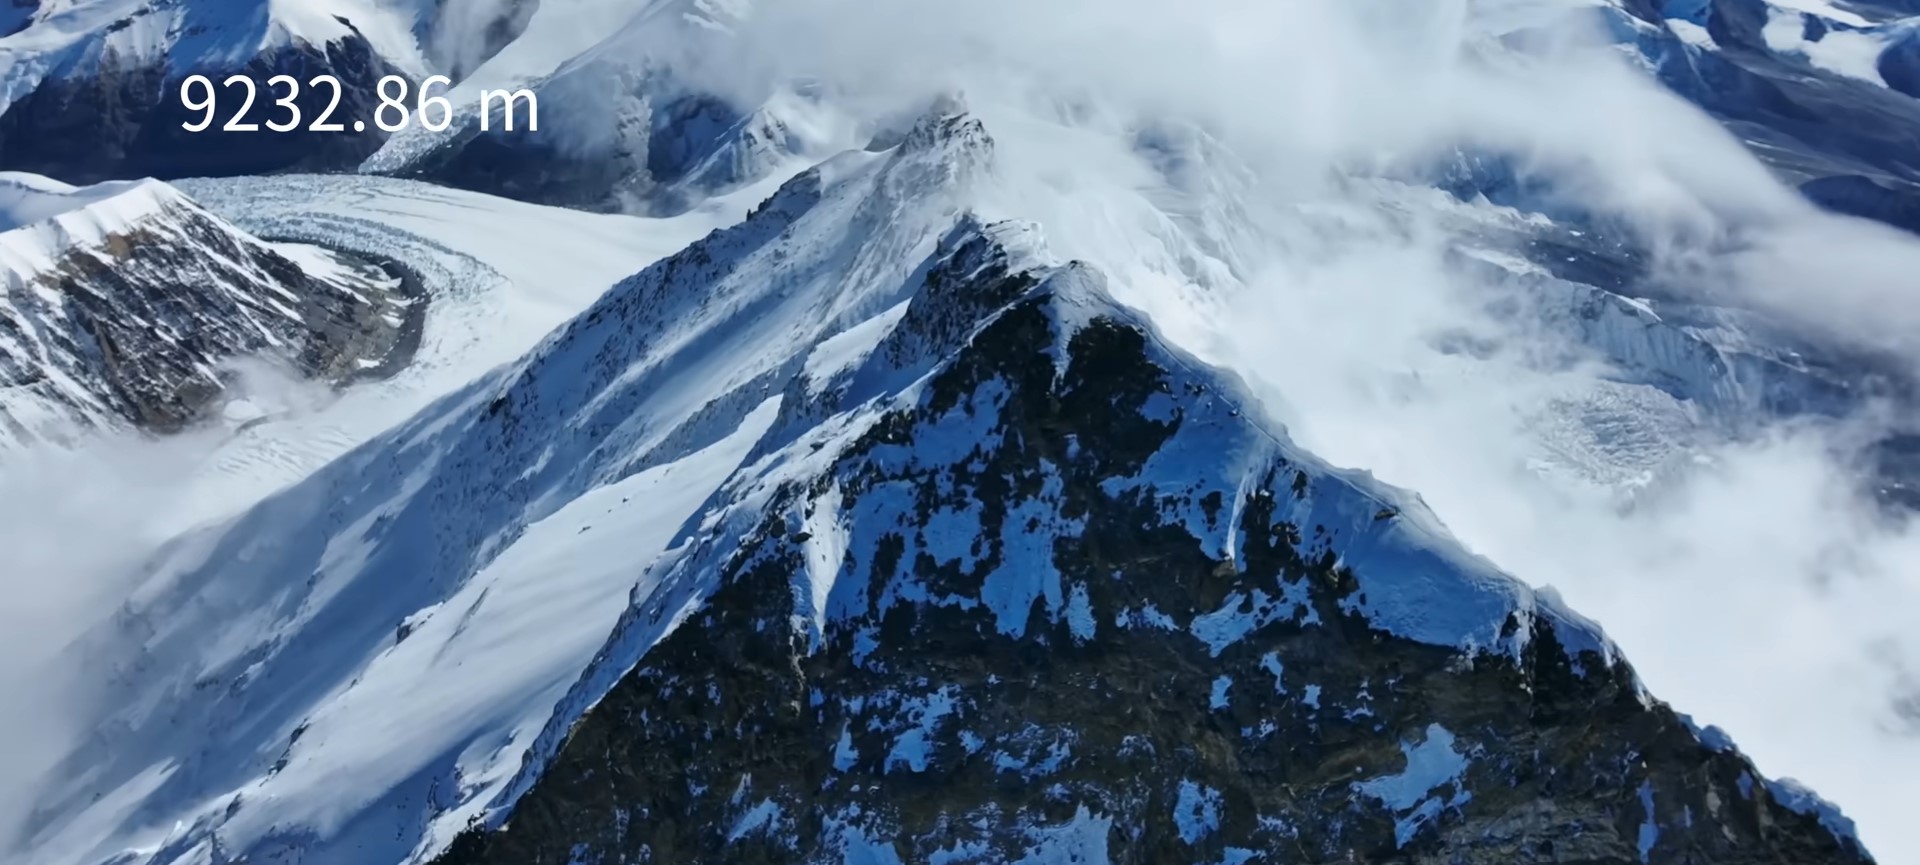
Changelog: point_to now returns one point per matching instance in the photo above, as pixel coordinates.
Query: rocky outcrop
(128, 309)
(1896, 203)
(1063, 601)
(988, 573)
(123, 119)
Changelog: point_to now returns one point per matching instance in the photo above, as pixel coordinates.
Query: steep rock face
(92, 92)
(1810, 120)
(1893, 202)
(262, 636)
(1058, 599)
(1900, 63)
(125, 303)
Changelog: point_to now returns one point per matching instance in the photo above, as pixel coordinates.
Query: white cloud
(75, 526)
(1753, 586)
(1750, 582)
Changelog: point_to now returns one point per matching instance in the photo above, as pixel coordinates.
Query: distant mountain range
(756, 475)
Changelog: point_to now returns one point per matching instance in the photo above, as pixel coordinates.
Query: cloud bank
(1222, 160)
(1231, 165)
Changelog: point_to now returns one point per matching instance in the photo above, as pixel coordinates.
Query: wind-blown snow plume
(1232, 162)
(74, 525)
(1258, 179)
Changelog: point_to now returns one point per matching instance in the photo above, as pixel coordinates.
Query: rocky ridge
(987, 572)
(126, 306)
(1023, 584)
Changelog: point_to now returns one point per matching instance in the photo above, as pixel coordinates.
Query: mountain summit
(935, 553)
(814, 468)
(123, 303)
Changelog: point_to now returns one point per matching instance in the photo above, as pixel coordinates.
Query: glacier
(389, 620)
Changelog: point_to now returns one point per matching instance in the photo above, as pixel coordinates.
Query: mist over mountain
(1478, 431)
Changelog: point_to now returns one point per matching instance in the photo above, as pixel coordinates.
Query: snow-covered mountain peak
(868, 527)
(769, 474)
(120, 302)
(40, 218)
(28, 198)
(1429, 590)
(946, 120)
(682, 365)
(623, 127)
(90, 91)
(1068, 510)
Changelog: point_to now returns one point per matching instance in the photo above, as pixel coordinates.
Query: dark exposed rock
(1804, 122)
(1895, 203)
(122, 122)
(1043, 633)
(141, 325)
(1900, 64)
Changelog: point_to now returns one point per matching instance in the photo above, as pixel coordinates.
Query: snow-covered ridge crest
(1417, 583)
(27, 198)
(653, 395)
(84, 37)
(40, 218)
(91, 90)
(120, 302)
(1060, 488)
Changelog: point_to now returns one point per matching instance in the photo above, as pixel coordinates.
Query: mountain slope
(1815, 90)
(1059, 599)
(123, 302)
(497, 276)
(90, 91)
(408, 541)
(619, 128)
(730, 456)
